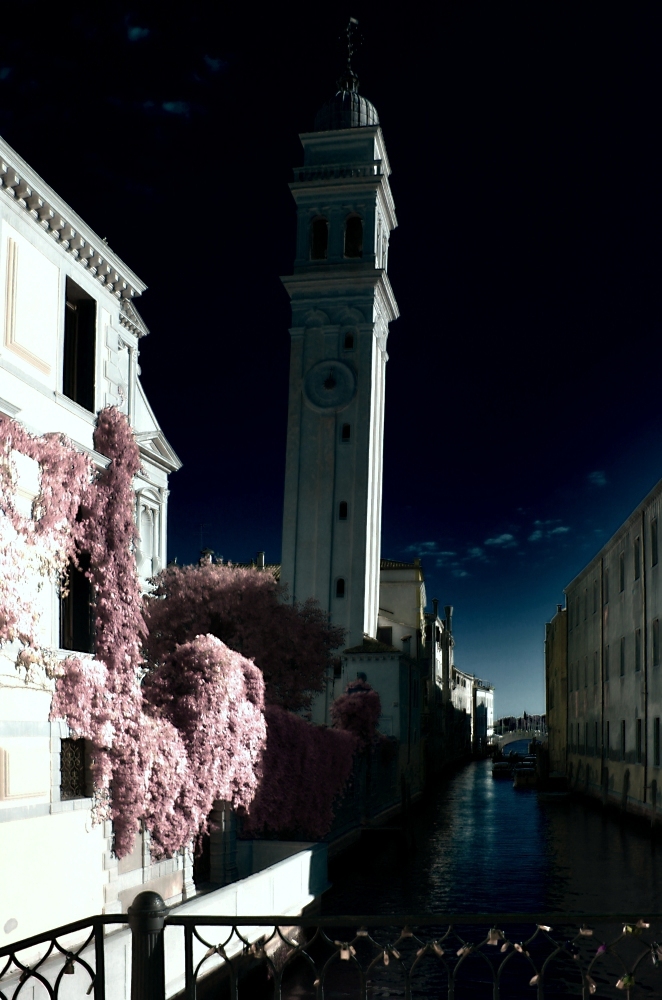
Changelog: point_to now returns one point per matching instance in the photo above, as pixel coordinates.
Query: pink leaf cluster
(357, 711)
(291, 644)
(212, 698)
(36, 547)
(304, 770)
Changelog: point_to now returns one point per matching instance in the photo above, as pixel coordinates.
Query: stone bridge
(518, 734)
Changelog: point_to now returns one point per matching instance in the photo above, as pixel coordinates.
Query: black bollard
(147, 916)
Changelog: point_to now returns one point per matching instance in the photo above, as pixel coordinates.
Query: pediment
(131, 319)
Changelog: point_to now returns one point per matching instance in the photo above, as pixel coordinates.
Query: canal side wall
(619, 786)
(613, 664)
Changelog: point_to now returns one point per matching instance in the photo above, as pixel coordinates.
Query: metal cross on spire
(349, 80)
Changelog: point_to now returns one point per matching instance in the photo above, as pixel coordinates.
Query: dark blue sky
(523, 417)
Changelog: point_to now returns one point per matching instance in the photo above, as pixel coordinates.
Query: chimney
(260, 560)
(435, 608)
(559, 609)
(448, 611)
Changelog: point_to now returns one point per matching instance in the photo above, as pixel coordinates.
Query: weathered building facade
(614, 684)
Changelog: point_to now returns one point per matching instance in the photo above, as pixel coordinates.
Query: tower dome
(348, 109)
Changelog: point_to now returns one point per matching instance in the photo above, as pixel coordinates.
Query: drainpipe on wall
(603, 613)
(644, 629)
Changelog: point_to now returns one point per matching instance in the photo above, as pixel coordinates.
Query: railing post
(147, 916)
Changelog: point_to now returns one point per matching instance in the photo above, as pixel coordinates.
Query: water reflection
(477, 845)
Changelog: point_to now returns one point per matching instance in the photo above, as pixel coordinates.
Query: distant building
(556, 680)
(614, 699)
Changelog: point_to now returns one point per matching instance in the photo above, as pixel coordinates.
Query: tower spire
(349, 81)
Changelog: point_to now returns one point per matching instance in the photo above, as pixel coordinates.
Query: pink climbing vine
(173, 700)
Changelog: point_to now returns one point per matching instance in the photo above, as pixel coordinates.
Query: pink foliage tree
(357, 711)
(304, 771)
(213, 700)
(291, 644)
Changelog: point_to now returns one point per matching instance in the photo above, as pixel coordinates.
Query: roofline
(651, 495)
(52, 215)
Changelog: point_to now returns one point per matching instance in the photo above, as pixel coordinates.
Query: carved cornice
(47, 210)
(315, 284)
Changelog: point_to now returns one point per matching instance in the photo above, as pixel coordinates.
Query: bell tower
(342, 304)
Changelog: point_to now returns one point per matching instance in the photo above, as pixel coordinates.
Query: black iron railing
(460, 955)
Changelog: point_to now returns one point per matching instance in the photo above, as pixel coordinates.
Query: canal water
(477, 845)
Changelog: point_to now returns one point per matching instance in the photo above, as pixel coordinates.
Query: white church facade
(69, 345)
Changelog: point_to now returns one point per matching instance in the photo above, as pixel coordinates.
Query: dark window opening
(654, 549)
(385, 634)
(73, 784)
(349, 341)
(337, 667)
(639, 747)
(637, 558)
(77, 609)
(80, 321)
(342, 510)
(346, 432)
(319, 239)
(637, 649)
(354, 237)
(656, 642)
(340, 587)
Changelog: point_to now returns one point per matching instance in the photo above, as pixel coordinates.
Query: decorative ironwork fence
(424, 956)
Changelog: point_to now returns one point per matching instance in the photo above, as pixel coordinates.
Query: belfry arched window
(354, 236)
(348, 343)
(340, 587)
(342, 510)
(345, 432)
(319, 239)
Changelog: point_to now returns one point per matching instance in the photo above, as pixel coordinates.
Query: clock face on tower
(330, 385)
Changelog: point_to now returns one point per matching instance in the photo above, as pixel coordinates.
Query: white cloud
(504, 541)
(422, 547)
(475, 552)
(542, 530)
(460, 572)
(597, 478)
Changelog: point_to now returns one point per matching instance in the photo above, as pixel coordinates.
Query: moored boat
(524, 777)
